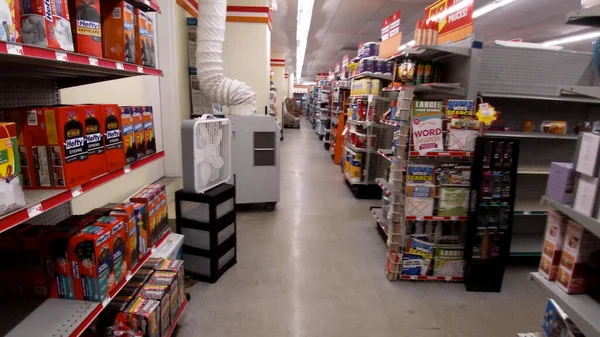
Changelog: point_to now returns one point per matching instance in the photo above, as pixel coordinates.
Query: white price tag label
(147, 3)
(120, 66)
(105, 301)
(345, 130)
(60, 56)
(370, 98)
(35, 210)
(77, 191)
(127, 169)
(93, 61)
(140, 70)
(14, 49)
(128, 277)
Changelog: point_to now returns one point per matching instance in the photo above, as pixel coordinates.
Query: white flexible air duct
(215, 87)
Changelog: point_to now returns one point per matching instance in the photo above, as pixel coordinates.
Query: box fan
(206, 152)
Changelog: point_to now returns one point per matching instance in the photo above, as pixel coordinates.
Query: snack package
(149, 141)
(115, 155)
(92, 263)
(94, 137)
(142, 317)
(175, 266)
(131, 288)
(10, 14)
(143, 275)
(86, 24)
(118, 33)
(11, 191)
(118, 238)
(45, 23)
(160, 293)
(55, 139)
(138, 130)
(33, 262)
(125, 212)
(170, 280)
(128, 135)
(152, 263)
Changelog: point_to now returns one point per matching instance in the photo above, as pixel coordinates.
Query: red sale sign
(394, 24)
(385, 29)
(337, 68)
(454, 18)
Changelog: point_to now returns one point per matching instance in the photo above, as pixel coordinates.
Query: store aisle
(315, 267)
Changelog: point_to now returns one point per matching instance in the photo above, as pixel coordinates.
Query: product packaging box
(560, 183)
(118, 237)
(126, 212)
(26, 167)
(195, 93)
(192, 30)
(107, 317)
(175, 266)
(144, 36)
(111, 118)
(11, 21)
(146, 197)
(419, 199)
(45, 23)
(33, 261)
(587, 154)
(58, 265)
(586, 194)
(453, 174)
(118, 32)
(170, 280)
(138, 130)
(160, 293)
(152, 263)
(131, 288)
(574, 274)
(142, 315)
(91, 262)
(454, 201)
(555, 322)
(142, 223)
(86, 23)
(55, 139)
(142, 275)
(94, 137)
(419, 174)
(149, 141)
(427, 130)
(554, 238)
(128, 134)
(170, 248)
(11, 191)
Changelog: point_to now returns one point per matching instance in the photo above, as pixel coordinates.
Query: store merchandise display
(340, 104)
(11, 193)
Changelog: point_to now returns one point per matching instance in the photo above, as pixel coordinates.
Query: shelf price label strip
(20, 216)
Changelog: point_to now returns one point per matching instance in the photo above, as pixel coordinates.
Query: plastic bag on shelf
(11, 194)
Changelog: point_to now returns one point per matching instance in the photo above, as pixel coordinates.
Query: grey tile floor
(315, 267)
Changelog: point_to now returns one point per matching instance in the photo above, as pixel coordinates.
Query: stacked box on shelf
(208, 223)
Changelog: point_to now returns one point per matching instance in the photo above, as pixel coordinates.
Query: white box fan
(206, 152)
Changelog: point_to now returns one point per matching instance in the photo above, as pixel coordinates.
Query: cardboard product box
(55, 139)
(91, 262)
(11, 21)
(58, 267)
(195, 93)
(170, 280)
(45, 23)
(150, 52)
(152, 263)
(587, 154)
(108, 315)
(159, 193)
(561, 182)
(103, 211)
(118, 239)
(159, 293)
(146, 197)
(94, 137)
(556, 228)
(170, 248)
(192, 30)
(142, 42)
(175, 266)
(586, 194)
(138, 129)
(131, 288)
(142, 224)
(142, 314)
(555, 323)
(118, 33)
(86, 24)
(33, 261)
(149, 140)
(125, 213)
(143, 275)
(26, 167)
(115, 155)
(11, 190)
(128, 134)
(574, 274)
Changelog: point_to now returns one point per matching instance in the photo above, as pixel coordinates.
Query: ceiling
(338, 26)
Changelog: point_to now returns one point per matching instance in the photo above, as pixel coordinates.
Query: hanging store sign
(454, 18)
(345, 61)
(385, 29)
(322, 76)
(337, 68)
(394, 23)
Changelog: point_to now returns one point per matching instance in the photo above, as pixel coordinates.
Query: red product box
(111, 118)
(86, 24)
(128, 134)
(94, 137)
(55, 139)
(138, 129)
(92, 262)
(149, 140)
(146, 198)
(117, 243)
(118, 32)
(52, 16)
(33, 261)
(125, 212)
(142, 315)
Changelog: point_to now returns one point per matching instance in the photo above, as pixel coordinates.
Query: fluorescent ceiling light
(305, 8)
(570, 39)
(490, 7)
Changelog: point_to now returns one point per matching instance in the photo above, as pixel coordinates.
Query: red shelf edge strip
(88, 320)
(179, 313)
(22, 215)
